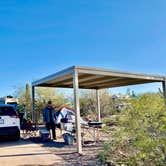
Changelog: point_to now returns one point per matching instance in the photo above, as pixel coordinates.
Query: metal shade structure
(93, 78)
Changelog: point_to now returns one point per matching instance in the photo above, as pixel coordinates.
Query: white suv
(9, 122)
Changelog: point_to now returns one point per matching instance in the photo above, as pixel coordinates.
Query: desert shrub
(141, 136)
(112, 120)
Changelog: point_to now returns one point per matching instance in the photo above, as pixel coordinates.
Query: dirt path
(69, 155)
(33, 152)
(36, 153)
(26, 153)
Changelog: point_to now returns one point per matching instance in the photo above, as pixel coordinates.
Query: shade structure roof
(96, 78)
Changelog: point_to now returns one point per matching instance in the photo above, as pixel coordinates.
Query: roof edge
(62, 72)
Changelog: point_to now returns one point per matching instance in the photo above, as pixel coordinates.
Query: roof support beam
(119, 74)
(33, 104)
(77, 108)
(125, 82)
(102, 80)
(87, 78)
(70, 81)
(98, 105)
(164, 89)
(60, 80)
(90, 78)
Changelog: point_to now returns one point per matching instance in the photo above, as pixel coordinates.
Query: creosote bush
(140, 138)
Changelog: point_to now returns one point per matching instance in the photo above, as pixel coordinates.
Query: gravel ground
(68, 152)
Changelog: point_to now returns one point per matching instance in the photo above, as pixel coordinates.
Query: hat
(49, 102)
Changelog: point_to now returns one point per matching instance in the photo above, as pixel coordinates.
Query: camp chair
(29, 129)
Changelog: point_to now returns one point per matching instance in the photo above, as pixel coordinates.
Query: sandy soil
(69, 152)
(35, 152)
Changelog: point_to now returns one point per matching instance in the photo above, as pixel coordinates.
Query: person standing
(49, 118)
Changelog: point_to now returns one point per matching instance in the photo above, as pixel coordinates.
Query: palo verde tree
(24, 98)
(42, 95)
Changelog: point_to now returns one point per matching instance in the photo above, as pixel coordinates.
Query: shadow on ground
(69, 152)
(8, 142)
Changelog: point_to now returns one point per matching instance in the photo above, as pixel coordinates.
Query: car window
(7, 111)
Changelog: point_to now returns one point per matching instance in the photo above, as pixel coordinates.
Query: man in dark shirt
(49, 118)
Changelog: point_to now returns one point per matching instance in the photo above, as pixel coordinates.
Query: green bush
(141, 136)
(111, 120)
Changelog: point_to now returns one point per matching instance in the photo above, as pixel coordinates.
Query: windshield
(7, 111)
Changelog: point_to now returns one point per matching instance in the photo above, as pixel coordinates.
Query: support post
(77, 108)
(33, 104)
(164, 89)
(98, 105)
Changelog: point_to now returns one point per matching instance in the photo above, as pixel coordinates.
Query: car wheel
(17, 136)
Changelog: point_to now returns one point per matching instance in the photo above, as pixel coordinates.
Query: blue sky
(41, 37)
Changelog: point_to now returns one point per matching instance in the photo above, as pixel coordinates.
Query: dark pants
(52, 127)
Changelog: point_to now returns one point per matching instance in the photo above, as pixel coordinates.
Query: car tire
(17, 136)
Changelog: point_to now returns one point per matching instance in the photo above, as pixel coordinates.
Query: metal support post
(98, 105)
(164, 89)
(77, 108)
(33, 104)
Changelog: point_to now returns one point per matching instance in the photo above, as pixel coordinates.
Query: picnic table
(93, 129)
